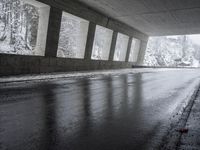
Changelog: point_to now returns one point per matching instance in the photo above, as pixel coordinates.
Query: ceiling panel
(153, 17)
(181, 4)
(188, 15)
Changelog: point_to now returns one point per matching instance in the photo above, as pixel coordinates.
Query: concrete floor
(112, 112)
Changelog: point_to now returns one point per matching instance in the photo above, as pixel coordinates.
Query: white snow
(174, 51)
(121, 47)
(19, 21)
(102, 43)
(73, 36)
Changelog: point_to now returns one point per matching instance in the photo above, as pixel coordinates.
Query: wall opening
(135, 48)
(121, 47)
(173, 51)
(23, 27)
(102, 43)
(73, 36)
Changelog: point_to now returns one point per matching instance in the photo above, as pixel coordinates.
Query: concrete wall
(141, 55)
(15, 64)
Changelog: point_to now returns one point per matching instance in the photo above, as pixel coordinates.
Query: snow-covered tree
(18, 27)
(73, 36)
(172, 51)
(68, 32)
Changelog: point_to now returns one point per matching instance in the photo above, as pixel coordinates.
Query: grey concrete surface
(90, 41)
(128, 49)
(141, 54)
(93, 15)
(153, 17)
(191, 140)
(53, 32)
(113, 45)
(114, 112)
(15, 65)
(18, 65)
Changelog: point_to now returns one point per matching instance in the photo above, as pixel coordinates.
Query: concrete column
(90, 41)
(129, 49)
(42, 30)
(113, 45)
(53, 32)
(141, 54)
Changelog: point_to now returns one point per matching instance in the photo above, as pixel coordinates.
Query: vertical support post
(42, 30)
(113, 45)
(53, 32)
(90, 40)
(141, 54)
(129, 49)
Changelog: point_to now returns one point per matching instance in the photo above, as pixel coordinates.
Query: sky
(194, 37)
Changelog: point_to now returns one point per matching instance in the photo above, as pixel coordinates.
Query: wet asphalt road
(116, 112)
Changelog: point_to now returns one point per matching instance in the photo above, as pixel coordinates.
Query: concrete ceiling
(153, 17)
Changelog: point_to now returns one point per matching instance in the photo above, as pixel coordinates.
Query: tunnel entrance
(173, 51)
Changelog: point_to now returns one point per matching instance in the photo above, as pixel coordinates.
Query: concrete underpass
(59, 92)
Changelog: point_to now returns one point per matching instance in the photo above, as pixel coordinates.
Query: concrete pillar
(53, 32)
(42, 30)
(113, 45)
(129, 49)
(90, 41)
(141, 54)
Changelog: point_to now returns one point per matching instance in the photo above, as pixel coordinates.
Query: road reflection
(102, 113)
